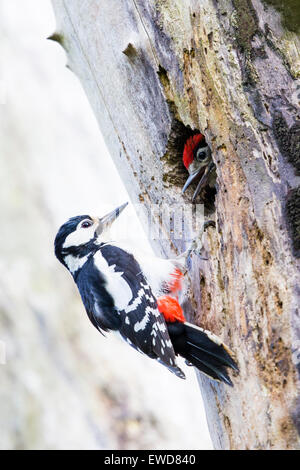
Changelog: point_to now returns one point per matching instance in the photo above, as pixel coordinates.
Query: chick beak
(107, 220)
(203, 180)
(191, 179)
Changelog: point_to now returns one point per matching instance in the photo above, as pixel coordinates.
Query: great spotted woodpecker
(137, 296)
(197, 160)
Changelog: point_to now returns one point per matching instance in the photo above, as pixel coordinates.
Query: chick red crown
(189, 147)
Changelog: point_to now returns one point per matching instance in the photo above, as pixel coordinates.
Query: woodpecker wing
(98, 302)
(141, 324)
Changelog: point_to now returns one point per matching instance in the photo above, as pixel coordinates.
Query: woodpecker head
(197, 160)
(80, 236)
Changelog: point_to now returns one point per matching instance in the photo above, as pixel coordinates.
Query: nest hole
(174, 171)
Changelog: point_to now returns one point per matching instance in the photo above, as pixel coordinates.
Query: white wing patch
(116, 285)
(141, 325)
(137, 301)
(139, 298)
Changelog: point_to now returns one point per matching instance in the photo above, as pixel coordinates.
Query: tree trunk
(155, 70)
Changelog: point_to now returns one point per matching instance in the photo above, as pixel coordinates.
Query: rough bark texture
(152, 69)
(63, 385)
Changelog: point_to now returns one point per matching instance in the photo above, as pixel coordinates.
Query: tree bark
(155, 70)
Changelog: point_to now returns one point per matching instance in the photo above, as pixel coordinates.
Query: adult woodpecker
(137, 296)
(197, 160)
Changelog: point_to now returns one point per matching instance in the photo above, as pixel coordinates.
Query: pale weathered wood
(231, 70)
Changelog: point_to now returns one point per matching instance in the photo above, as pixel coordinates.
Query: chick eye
(201, 155)
(86, 224)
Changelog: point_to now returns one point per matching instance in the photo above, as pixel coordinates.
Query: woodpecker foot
(209, 223)
(197, 245)
(188, 363)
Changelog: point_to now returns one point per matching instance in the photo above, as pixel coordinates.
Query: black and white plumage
(120, 292)
(113, 288)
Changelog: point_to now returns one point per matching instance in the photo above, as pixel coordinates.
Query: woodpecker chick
(197, 160)
(137, 296)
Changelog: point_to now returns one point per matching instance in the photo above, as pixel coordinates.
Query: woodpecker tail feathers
(203, 350)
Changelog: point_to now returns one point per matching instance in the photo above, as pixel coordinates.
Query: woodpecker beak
(106, 221)
(203, 180)
(190, 179)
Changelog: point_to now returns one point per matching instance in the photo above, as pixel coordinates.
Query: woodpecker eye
(86, 224)
(201, 155)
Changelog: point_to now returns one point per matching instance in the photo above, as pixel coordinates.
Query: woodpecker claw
(209, 223)
(196, 245)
